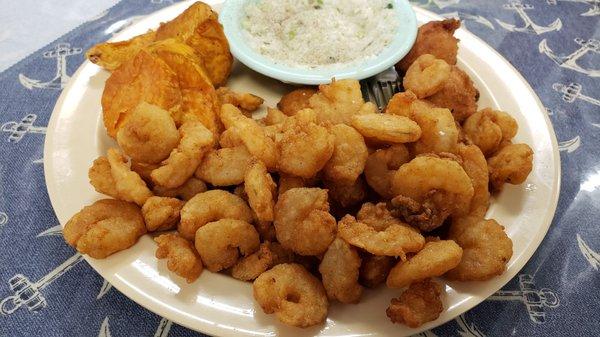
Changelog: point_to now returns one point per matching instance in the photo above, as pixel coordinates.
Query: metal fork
(380, 88)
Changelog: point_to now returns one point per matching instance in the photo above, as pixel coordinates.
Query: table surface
(553, 43)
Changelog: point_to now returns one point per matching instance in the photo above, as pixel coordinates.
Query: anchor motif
(104, 328)
(27, 293)
(535, 300)
(3, 219)
(467, 329)
(570, 145)
(570, 61)
(106, 287)
(19, 129)
(595, 10)
(428, 333)
(61, 78)
(591, 256)
(466, 16)
(572, 91)
(530, 26)
(596, 125)
(158, 2)
(52, 231)
(163, 329)
(439, 3)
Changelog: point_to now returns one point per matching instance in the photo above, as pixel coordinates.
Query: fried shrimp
(419, 304)
(250, 267)
(488, 128)
(438, 131)
(185, 192)
(161, 213)
(458, 94)
(436, 38)
(475, 166)
(287, 182)
(377, 216)
(129, 185)
(512, 164)
(375, 269)
(337, 102)
(251, 134)
(295, 296)
(395, 240)
(225, 167)
(296, 100)
(436, 258)
(339, 271)
(230, 138)
(274, 117)
(304, 146)
(105, 227)
(195, 141)
(148, 134)
(349, 155)
(211, 206)
(260, 188)
(426, 75)
(244, 101)
(428, 189)
(387, 128)
(181, 255)
(220, 243)
(347, 195)
(487, 249)
(101, 178)
(381, 166)
(406, 104)
(302, 221)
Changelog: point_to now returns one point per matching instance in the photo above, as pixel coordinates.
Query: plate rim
(159, 308)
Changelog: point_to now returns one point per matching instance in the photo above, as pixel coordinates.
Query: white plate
(219, 305)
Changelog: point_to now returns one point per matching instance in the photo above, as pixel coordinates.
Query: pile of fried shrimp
(317, 200)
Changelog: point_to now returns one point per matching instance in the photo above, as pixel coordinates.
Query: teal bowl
(231, 18)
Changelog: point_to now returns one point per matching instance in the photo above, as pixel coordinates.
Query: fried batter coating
(387, 128)
(296, 100)
(438, 131)
(436, 258)
(269, 254)
(426, 75)
(185, 192)
(225, 167)
(436, 38)
(101, 178)
(251, 134)
(246, 102)
(198, 26)
(287, 182)
(129, 185)
(475, 166)
(488, 128)
(346, 195)
(486, 249)
(230, 138)
(395, 240)
(142, 78)
(377, 216)
(181, 255)
(144, 170)
(458, 94)
(406, 104)
(110, 55)
(220, 243)
(295, 296)
(512, 164)
(260, 188)
(105, 227)
(211, 206)
(274, 117)
(381, 166)
(302, 221)
(428, 189)
(419, 304)
(304, 146)
(161, 213)
(339, 271)
(337, 102)
(148, 134)
(349, 155)
(195, 141)
(375, 269)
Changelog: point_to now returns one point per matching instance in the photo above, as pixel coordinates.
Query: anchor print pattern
(3, 219)
(437, 3)
(594, 4)
(530, 26)
(570, 61)
(466, 16)
(467, 329)
(570, 145)
(572, 92)
(536, 300)
(18, 130)
(60, 53)
(591, 256)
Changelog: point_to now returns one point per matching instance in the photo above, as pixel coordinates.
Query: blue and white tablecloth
(553, 43)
